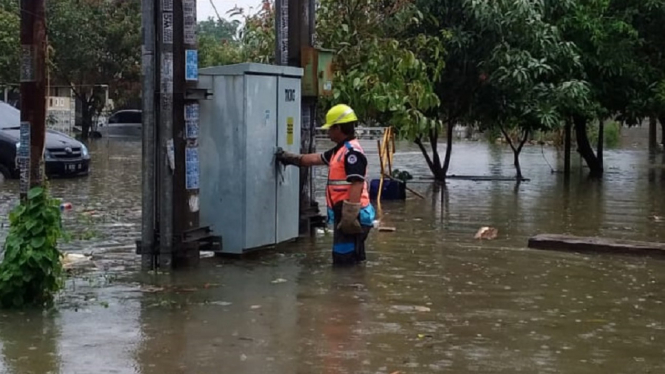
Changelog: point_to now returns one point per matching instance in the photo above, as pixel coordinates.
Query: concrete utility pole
(33, 94)
(166, 152)
(294, 31)
(171, 233)
(185, 131)
(149, 151)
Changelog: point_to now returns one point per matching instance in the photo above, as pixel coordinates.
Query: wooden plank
(478, 178)
(595, 245)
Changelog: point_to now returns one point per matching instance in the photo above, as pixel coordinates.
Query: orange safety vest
(338, 188)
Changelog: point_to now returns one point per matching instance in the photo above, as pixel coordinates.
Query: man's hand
(349, 223)
(288, 158)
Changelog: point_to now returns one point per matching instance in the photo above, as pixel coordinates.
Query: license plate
(71, 167)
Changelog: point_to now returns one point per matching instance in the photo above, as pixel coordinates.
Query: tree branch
(505, 134)
(523, 140)
(419, 142)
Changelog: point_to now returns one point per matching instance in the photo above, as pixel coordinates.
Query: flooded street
(430, 298)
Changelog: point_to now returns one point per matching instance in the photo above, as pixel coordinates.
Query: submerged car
(126, 123)
(63, 155)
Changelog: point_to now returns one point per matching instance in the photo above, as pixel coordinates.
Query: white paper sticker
(170, 151)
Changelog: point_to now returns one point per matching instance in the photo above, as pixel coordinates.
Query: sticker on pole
(192, 129)
(27, 63)
(189, 15)
(23, 157)
(192, 120)
(192, 168)
(167, 28)
(170, 153)
(289, 130)
(167, 5)
(191, 65)
(192, 112)
(166, 78)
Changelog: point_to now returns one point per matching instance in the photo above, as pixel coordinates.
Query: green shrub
(31, 272)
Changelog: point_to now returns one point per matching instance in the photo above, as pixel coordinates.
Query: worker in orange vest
(347, 195)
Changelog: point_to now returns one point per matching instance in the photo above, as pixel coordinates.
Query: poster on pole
(192, 168)
(23, 157)
(27, 63)
(167, 28)
(167, 5)
(191, 65)
(166, 78)
(189, 19)
(192, 120)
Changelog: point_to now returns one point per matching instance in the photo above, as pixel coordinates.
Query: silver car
(123, 123)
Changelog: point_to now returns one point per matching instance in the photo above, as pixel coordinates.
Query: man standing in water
(347, 195)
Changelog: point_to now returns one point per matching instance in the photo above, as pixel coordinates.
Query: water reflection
(30, 342)
(430, 298)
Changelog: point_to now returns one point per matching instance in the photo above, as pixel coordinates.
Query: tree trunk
(601, 141)
(584, 147)
(518, 168)
(516, 151)
(434, 163)
(653, 134)
(661, 119)
(449, 147)
(566, 155)
(86, 118)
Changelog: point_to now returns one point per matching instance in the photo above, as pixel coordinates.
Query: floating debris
(487, 233)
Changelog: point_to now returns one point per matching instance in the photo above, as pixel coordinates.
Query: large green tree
(609, 49)
(218, 43)
(530, 71)
(96, 43)
(383, 69)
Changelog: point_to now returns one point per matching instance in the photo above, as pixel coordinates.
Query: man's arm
(312, 159)
(309, 159)
(355, 191)
(355, 165)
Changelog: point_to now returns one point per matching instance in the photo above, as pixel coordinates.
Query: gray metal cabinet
(248, 198)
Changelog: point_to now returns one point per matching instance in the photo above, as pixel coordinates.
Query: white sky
(205, 9)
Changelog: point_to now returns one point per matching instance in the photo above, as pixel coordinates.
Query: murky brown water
(430, 299)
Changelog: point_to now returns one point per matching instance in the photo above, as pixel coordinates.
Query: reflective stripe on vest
(338, 188)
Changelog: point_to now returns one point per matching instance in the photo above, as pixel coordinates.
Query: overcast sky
(205, 9)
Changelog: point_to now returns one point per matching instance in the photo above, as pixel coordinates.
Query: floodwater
(430, 299)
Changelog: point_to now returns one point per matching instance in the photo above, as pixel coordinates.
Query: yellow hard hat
(339, 114)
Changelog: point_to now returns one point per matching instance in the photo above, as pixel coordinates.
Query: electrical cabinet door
(288, 179)
(261, 128)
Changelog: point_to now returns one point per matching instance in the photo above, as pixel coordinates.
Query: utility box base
(246, 196)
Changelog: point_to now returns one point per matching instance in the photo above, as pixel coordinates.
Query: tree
(530, 71)
(219, 29)
(218, 43)
(96, 43)
(383, 70)
(9, 42)
(648, 18)
(609, 50)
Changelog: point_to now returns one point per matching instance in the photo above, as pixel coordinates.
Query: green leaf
(35, 192)
(37, 242)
